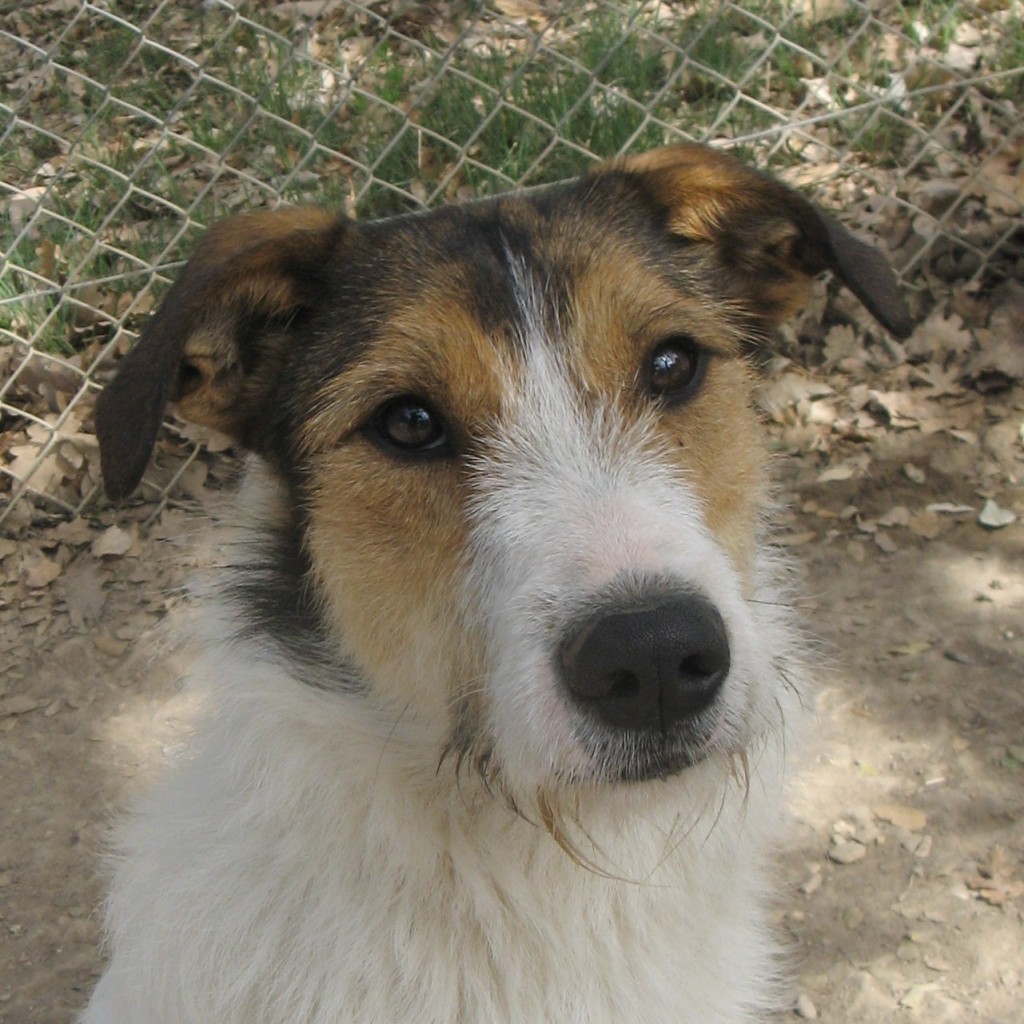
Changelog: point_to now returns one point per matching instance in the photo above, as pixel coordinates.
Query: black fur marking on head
(276, 601)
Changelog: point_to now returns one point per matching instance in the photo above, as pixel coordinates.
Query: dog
(498, 690)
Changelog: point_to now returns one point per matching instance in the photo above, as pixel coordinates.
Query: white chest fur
(294, 868)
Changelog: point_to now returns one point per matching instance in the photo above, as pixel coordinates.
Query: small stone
(885, 543)
(846, 851)
(960, 657)
(993, 517)
(871, 998)
(914, 996)
(805, 1008)
(813, 884)
(844, 829)
(907, 952)
(853, 917)
(106, 644)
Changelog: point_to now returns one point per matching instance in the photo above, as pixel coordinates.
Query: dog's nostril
(698, 665)
(651, 666)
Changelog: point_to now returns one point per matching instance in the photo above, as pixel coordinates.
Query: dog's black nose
(649, 666)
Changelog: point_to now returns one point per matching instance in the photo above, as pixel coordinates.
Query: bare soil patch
(902, 890)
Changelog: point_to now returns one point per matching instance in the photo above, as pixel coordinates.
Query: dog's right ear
(769, 237)
(217, 342)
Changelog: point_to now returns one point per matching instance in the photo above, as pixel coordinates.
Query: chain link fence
(127, 126)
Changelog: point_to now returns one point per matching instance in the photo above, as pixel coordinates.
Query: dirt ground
(901, 890)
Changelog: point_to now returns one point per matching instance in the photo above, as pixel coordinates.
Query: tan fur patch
(713, 199)
(414, 355)
(719, 448)
(387, 535)
(386, 547)
(699, 185)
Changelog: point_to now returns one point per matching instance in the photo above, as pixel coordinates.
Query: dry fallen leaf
(914, 996)
(114, 541)
(902, 409)
(999, 358)
(791, 540)
(109, 645)
(30, 463)
(846, 851)
(995, 883)
(833, 473)
(911, 648)
(841, 343)
(789, 389)
(74, 532)
(898, 515)
(1001, 183)
(885, 543)
(909, 818)
(939, 336)
(19, 704)
(940, 382)
(38, 570)
(926, 525)
(966, 436)
(83, 591)
(528, 10)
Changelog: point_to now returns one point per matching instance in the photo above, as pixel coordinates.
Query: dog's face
(517, 437)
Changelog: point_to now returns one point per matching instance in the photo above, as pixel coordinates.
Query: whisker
(390, 736)
(552, 824)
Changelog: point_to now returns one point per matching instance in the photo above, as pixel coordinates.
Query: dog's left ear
(766, 233)
(218, 341)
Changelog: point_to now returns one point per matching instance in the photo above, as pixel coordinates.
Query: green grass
(252, 120)
(249, 119)
(1011, 59)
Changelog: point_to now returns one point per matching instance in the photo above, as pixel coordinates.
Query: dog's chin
(649, 756)
(646, 765)
(662, 766)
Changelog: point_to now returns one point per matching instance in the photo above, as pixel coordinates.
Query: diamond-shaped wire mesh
(126, 126)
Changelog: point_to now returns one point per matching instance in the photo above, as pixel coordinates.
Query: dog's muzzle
(648, 671)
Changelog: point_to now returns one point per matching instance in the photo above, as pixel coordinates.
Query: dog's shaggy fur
(497, 697)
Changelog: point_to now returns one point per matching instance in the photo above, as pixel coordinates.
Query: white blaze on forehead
(570, 476)
(570, 493)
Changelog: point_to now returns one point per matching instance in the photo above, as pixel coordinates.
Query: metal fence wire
(127, 126)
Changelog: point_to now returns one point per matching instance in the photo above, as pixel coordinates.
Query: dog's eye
(675, 368)
(409, 425)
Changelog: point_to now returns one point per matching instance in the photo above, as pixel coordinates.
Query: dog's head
(517, 437)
